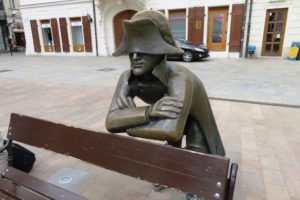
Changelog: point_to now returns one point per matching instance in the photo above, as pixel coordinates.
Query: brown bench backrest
(18, 185)
(200, 174)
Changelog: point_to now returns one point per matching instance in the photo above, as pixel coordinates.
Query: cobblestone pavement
(264, 140)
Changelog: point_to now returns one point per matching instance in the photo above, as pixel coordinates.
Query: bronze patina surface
(178, 103)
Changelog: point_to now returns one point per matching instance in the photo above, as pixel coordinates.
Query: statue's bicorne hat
(147, 32)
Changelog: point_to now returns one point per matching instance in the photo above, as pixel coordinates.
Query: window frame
(77, 47)
(47, 48)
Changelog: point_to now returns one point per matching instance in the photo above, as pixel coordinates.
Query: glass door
(217, 28)
(274, 32)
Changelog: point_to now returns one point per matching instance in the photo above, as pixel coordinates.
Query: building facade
(3, 29)
(11, 26)
(94, 27)
(274, 26)
(14, 24)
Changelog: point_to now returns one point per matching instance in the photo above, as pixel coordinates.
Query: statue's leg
(195, 141)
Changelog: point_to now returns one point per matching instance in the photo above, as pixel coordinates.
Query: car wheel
(187, 56)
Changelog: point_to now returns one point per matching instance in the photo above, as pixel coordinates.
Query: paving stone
(263, 140)
(273, 177)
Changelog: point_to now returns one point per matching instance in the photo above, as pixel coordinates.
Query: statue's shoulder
(125, 74)
(179, 70)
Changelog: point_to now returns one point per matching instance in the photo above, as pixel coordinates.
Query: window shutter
(35, 36)
(55, 34)
(236, 27)
(196, 23)
(87, 34)
(64, 34)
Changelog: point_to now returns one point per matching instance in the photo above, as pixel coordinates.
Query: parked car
(191, 51)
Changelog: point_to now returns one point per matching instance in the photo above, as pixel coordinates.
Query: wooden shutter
(236, 31)
(64, 34)
(196, 23)
(55, 35)
(87, 34)
(35, 36)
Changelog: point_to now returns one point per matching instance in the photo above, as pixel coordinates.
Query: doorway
(217, 28)
(118, 27)
(275, 23)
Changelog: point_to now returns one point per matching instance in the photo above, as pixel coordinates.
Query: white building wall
(179, 4)
(106, 11)
(47, 9)
(292, 31)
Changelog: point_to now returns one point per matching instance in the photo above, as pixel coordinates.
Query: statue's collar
(161, 71)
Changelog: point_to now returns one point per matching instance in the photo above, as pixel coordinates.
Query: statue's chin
(138, 72)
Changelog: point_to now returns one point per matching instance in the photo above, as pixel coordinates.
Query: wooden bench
(190, 172)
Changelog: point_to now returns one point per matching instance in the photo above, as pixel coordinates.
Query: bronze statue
(178, 103)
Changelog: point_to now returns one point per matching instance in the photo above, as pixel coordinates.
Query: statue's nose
(136, 56)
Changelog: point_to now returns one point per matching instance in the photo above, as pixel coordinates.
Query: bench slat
(6, 196)
(41, 187)
(187, 171)
(18, 192)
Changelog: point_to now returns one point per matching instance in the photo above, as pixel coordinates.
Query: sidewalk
(259, 80)
(264, 140)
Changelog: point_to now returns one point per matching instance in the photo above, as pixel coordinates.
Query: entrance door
(217, 28)
(118, 28)
(274, 32)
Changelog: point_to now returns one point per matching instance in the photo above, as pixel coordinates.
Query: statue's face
(142, 64)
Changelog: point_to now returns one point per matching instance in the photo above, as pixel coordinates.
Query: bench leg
(231, 181)
(10, 156)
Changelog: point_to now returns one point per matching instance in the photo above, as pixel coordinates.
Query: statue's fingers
(171, 109)
(172, 103)
(124, 101)
(171, 98)
(131, 102)
(120, 103)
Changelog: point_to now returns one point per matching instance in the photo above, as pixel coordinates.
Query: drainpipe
(248, 30)
(95, 27)
(244, 25)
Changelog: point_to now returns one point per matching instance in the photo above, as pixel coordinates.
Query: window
(177, 19)
(47, 36)
(77, 34)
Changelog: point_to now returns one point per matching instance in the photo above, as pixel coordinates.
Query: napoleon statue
(177, 103)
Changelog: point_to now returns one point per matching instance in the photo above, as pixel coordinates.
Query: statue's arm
(180, 87)
(118, 120)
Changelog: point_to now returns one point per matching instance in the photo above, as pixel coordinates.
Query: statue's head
(147, 39)
(147, 32)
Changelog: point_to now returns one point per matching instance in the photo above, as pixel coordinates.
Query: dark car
(191, 51)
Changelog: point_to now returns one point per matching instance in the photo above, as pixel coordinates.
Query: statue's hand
(125, 102)
(166, 107)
